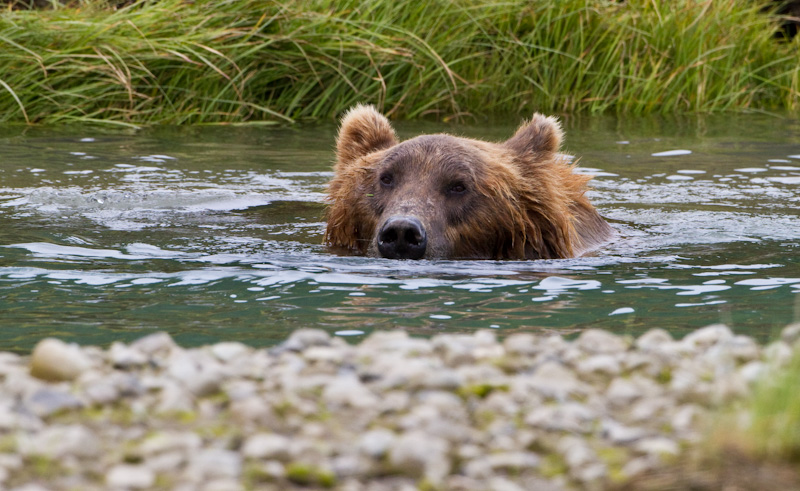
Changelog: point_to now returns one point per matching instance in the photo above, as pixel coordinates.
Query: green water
(213, 233)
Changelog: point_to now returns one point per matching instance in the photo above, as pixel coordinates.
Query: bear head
(442, 196)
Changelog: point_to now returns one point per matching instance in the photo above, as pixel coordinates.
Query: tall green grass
(173, 61)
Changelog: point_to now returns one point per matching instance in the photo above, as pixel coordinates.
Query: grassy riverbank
(171, 61)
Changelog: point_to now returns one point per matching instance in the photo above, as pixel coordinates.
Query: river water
(214, 233)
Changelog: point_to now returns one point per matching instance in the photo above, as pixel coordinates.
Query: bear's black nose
(402, 238)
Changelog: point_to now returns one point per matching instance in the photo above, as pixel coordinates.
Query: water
(214, 233)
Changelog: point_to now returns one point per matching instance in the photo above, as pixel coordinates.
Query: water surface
(214, 233)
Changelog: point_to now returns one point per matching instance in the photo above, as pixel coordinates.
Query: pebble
(55, 360)
(457, 411)
(130, 477)
(267, 446)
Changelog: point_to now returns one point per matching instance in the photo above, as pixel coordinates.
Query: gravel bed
(455, 412)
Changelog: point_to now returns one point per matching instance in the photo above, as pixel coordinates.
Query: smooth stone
(130, 477)
(791, 333)
(347, 390)
(620, 434)
(600, 341)
(554, 380)
(267, 446)
(123, 356)
(214, 463)
(156, 344)
(302, 339)
(570, 416)
(60, 441)
(417, 454)
(46, 401)
(658, 445)
(606, 366)
(229, 351)
(706, 337)
(54, 360)
(513, 461)
(168, 441)
(525, 344)
(376, 443)
(653, 339)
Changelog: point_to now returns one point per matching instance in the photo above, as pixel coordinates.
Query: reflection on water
(214, 234)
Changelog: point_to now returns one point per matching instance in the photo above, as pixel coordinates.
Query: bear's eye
(457, 188)
(387, 179)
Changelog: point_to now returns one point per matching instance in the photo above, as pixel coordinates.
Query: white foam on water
(671, 153)
(623, 310)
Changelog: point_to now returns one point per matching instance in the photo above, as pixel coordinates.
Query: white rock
(175, 398)
(375, 443)
(622, 392)
(347, 390)
(498, 483)
(351, 464)
(157, 344)
(653, 339)
(658, 446)
(417, 454)
(599, 365)
(513, 462)
(325, 354)
(570, 416)
(222, 484)
(648, 408)
(123, 356)
(576, 452)
(166, 462)
(55, 360)
(778, 353)
(130, 477)
(202, 375)
(46, 401)
(59, 441)
(554, 380)
(267, 446)
(751, 372)
(620, 434)
(168, 441)
(214, 463)
(706, 337)
(791, 333)
(600, 341)
(685, 417)
(229, 351)
(637, 466)
(302, 339)
(526, 344)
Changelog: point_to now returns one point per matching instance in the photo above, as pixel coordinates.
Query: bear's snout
(402, 238)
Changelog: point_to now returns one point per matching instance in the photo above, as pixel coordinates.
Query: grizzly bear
(445, 197)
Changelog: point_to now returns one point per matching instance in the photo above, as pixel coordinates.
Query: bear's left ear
(539, 138)
(364, 130)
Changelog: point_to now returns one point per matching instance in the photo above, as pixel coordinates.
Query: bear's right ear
(364, 130)
(539, 138)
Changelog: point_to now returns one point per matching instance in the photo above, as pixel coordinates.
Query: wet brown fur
(527, 203)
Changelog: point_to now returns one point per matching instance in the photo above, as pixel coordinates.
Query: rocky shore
(456, 412)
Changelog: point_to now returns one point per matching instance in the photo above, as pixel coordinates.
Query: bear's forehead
(436, 150)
